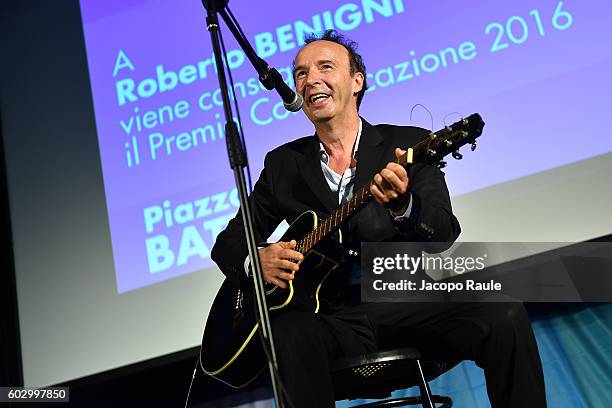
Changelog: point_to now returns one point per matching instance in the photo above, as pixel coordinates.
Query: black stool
(377, 375)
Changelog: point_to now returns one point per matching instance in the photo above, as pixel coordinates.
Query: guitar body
(231, 348)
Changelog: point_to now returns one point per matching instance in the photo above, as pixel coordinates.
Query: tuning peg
(431, 152)
(473, 147)
(457, 155)
(441, 164)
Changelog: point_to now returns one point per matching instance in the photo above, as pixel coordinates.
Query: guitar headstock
(446, 141)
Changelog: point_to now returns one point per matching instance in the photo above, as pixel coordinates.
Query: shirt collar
(325, 156)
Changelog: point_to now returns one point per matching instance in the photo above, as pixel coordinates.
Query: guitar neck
(430, 150)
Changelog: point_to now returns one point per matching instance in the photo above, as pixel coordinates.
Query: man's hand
(390, 187)
(276, 262)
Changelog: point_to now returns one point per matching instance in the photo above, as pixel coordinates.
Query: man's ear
(358, 82)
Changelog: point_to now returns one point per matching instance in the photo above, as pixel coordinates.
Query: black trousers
(497, 336)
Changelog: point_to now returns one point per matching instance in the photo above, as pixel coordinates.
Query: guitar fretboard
(335, 219)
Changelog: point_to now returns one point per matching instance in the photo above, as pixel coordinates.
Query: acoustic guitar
(231, 349)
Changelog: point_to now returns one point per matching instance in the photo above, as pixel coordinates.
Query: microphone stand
(237, 159)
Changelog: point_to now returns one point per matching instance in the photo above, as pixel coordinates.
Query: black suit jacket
(292, 182)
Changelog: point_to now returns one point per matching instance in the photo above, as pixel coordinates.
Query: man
(320, 172)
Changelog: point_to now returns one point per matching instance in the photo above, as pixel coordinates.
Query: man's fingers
(280, 279)
(277, 260)
(382, 183)
(377, 194)
(390, 184)
(399, 152)
(291, 254)
(399, 170)
(278, 282)
(285, 264)
(291, 244)
(286, 276)
(385, 186)
(391, 178)
(395, 182)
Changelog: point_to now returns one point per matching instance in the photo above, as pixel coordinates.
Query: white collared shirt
(341, 185)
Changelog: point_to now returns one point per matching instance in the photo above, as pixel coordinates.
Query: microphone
(272, 79)
(293, 101)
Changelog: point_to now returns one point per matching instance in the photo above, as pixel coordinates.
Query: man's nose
(313, 77)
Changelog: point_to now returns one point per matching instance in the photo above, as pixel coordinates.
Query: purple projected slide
(538, 73)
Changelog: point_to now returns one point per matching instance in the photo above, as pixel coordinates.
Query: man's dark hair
(355, 60)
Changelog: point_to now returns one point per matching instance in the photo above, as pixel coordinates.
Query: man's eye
(326, 66)
(299, 74)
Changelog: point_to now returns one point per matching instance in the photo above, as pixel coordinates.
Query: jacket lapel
(310, 167)
(369, 155)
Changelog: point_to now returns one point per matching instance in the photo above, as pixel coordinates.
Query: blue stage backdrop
(159, 118)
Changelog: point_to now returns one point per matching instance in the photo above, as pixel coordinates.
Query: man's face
(323, 78)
